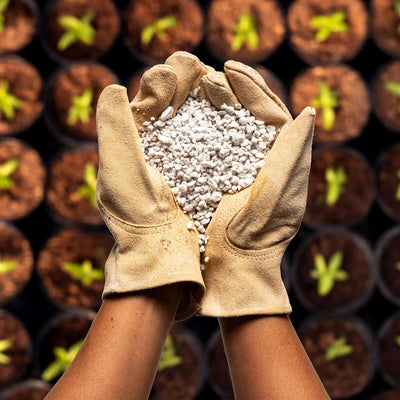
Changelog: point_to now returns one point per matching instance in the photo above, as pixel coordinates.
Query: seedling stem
(327, 100)
(328, 24)
(336, 181)
(245, 32)
(158, 28)
(89, 189)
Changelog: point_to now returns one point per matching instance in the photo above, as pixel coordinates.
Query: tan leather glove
(153, 246)
(251, 229)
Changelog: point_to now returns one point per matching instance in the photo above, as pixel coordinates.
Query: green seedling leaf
(63, 359)
(3, 7)
(81, 108)
(338, 349)
(8, 102)
(245, 32)
(328, 24)
(5, 345)
(398, 186)
(328, 274)
(158, 28)
(327, 101)
(397, 11)
(6, 170)
(169, 358)
(336, 184)
(84, 273)
(89, 189)
(76, 30)
(394, 88)
(398, 265)
(7, 266)
(397, 340)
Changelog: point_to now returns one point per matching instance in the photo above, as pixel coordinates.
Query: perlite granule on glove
(204, 152)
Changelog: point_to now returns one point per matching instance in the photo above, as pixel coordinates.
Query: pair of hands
(250, 229)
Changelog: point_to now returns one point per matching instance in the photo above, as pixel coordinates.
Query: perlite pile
(204, 152)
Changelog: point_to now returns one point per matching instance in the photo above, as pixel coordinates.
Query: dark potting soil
(25, 83)
(28, 394)
(388, 395)
(386, 104)
(356, 200)
(384, 26)
(73, 82)
(73, 245)
(186, 35)
(66, 176)
(341, 46)
(20, 26)
(14, 247)
(29, 179)
(19, 352)
(106, 23)
(356, 262)
(344, 376)
(223, 15)
(353, 109)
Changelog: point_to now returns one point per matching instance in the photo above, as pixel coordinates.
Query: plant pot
(23, 81)
(387, 262)
(106, 23)
(354, 201)
(30, 389)
(338, 46)
(19, 353)
(384, 26)
(218, 369)
(20, 25)
(349, 374)
(183, 381)
(224, 15)
(14, 247)
(66, 177)
(385, 103)
(352, 97)
(388, 181)
(27, 181)
(185, 33)
(388, 350)
(272, 81)
(345, 295)
(68, 84)
(387, 395)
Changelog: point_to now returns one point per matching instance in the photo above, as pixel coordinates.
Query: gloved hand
(251, 229)
(153, 246)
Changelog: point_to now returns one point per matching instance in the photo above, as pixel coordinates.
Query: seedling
(394, 88)
(338, 349)
(336, 184)
(328, 274)
(8, 102)
(6, 170)
(398, 265)
(398, 186)
(169, 358)
(7, 266)
(397, 340)
(327, 101)
(76, 29)
(81, 108)
(328, 24)
(3, 7)
(84, 272)
(5, 345)
(397, 11)
(158, 28)
(89, 189)
(245, 32)
(63, 359)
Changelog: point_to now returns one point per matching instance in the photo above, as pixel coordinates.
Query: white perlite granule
(203, 153)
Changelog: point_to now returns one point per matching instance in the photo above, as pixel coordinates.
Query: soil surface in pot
(27, 190)
(185, 35)
(389, 395)
(343, 376)
(384, 26)
(353, 204)
(224, 15)
(14, 247)
(339, 46)
(73, 82)
(77, 246)
(19, 352)
(356, 262)
(28, 394)
(106, 24)
(25, 83)
(387, 104)
(353, 108)
(66, 176)
(20, 21)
